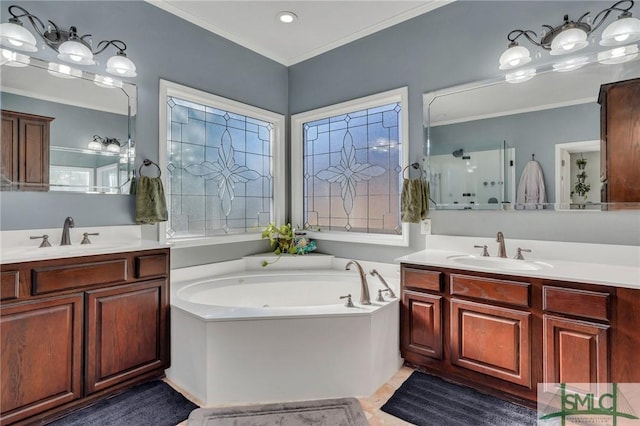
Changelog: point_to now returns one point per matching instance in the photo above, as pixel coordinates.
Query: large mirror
(65, 130)
(481, 138)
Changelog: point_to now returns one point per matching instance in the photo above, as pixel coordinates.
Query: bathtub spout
(384, 283)
(365, 299)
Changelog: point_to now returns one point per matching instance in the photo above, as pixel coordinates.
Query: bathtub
(241, 333)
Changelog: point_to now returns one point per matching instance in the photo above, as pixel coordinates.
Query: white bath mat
(326, 412)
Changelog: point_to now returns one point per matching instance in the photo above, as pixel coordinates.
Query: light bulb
(622, 37)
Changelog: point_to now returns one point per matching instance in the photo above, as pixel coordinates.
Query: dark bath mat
(154, 403)
(429, 401)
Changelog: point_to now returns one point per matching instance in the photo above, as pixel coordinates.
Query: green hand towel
(151, 205)
(411, 200)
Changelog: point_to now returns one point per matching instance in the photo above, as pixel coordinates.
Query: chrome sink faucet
(365, 299)
(502, 252)
(68, 223)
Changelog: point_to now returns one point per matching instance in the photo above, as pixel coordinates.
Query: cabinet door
(9, 148)
(491, 340)
(422, 324)
(575, 351)
(41, 362)
(126, 333)
(34, 151)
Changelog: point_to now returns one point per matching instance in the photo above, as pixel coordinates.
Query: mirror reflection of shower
(482, 179)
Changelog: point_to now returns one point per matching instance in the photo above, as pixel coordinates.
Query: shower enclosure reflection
(479, 178)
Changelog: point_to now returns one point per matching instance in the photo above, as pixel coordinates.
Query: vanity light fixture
(13, 59)
(571, 36)
(286, 17)
(108, 144)
(71, 47)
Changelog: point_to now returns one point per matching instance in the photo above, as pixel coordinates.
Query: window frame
(170, 89)
(400, 96)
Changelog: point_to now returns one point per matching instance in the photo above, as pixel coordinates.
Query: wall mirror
(480, 137)
(65, 129)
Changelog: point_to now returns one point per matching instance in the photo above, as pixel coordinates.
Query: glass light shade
(95, 145)
(16, 36)
(122, 66)
(76, 53)
(570, 64)
(63, 71)
(618, 55)
(113, 147)
(569, 40)
(622, 31)
(513, 57)
(521, 76)
(107, 82)
(13, 59)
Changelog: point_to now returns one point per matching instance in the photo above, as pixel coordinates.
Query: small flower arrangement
(284, 240)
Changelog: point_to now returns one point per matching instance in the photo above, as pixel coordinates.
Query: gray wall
(72, 126)
(162, 46)
(456, 44)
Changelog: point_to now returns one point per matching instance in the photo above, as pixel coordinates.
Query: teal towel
(151, 205)
(414, 200)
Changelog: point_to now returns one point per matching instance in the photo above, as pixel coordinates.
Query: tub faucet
(365, 299)
(502, 252)
(68, 223)
(384, 283)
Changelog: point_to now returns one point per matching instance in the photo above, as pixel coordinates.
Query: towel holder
(146, 163)
(415, 166)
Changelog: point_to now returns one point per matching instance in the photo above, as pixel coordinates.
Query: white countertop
(15, 246)
(617, 266)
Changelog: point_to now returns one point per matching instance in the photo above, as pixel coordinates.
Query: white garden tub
(241, 333)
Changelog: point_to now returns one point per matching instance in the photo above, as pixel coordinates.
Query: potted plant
(284, 240)
(581, 163)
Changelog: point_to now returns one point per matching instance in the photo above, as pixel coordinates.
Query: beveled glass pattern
(352, 165)
(219, 168)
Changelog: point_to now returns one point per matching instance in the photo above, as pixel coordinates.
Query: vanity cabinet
(25, 148)
(504, 334)
(78, 329)
(620, 141)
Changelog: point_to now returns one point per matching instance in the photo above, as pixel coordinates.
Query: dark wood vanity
(504, 334)
(74, 330)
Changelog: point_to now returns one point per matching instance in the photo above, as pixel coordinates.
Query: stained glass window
(352, 164)
(219, 166)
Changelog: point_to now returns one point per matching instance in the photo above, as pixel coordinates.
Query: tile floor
(370, 405)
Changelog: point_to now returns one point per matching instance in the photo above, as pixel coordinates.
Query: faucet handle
(485, 252)
(85, 237)
(519, 255)
(45, 240)
(349, 303)
(380, 298)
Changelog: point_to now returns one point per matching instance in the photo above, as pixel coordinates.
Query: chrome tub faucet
(384, 283)
(68, 223)
(502, 252)
(365, 299)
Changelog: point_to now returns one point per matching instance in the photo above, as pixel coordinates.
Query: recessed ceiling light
(286, 17)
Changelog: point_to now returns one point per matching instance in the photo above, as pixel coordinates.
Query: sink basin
(498, 263)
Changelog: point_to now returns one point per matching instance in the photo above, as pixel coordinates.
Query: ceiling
(321, 25)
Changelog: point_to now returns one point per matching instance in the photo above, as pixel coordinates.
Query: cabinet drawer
(10, 285)
(57, 278)
(421, 279)
(511, 292)
(151, 265)
(582, 303)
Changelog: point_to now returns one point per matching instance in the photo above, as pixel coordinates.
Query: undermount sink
(498, 263)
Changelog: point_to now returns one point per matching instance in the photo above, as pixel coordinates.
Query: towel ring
(145, 163)
(415, 166)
